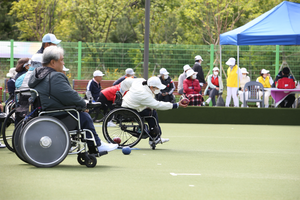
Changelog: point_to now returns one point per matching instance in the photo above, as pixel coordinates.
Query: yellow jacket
(232, 76)
(264, 82)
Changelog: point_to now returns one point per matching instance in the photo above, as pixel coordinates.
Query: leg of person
(235, 97)
(241, 97)
(212, 95)
(228, 97)
(180, 91)
(259, 96)
(289, 100)
(266, 100)
(86, 122)
(209, 98)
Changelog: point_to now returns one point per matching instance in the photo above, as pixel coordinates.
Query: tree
(7, 30)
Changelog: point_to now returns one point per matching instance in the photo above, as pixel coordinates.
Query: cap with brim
(163, 71)
(98, 73)
(216, 69)
(263, 71)
(12, 72)
(186, 67)
(65, 69)
(155, 82)
(190, 73)
(230, 61)
(244, 71)
(50, 38)
(129, 71)
(198, 57)
(38, 57)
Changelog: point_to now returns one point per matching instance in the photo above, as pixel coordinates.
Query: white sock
(208, 100)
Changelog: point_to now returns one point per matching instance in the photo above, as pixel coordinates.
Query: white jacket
(140, 97)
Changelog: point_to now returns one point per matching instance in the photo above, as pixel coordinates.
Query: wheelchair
(130, 126)
(8, 118)
(45, 137)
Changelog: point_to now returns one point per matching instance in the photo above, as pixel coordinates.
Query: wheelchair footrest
(101, 153)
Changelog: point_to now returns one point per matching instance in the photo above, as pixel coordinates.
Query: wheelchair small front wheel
(80, 159)
(7, 130)
(91, 161)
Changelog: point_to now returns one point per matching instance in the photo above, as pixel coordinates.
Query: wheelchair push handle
(26, 90)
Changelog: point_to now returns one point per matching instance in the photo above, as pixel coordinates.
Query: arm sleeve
(209, 84)
(158, 105)
(180, 82)
(119, 80)
(197, 87)
(172, 85)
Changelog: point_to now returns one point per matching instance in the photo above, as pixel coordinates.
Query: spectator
(48, 40)
(181, 78)
(243, 80)
(166, 94)
(22, 67)
(140, 98)
(191, 88)
(213, 86)
(128, 73)
(279, 76)
(11, 83)
(198, 68)
(266, 80)
(233, 72)
(286, 82)
(55, 92)
(93, 87)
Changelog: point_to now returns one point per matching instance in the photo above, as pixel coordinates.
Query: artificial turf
(211, 162)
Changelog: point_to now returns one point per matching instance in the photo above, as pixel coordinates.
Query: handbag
(220, 100)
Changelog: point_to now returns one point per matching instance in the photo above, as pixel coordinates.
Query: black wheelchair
(130, 126)
(8, 119)
(45, 137)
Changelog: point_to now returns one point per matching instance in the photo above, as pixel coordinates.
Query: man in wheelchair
(56, 93)
(141, 98)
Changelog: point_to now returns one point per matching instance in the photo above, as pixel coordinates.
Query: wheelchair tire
(129, 127)
(7, 130)
(16, 141)
(45, 141)
(80, 159)
(91, 161)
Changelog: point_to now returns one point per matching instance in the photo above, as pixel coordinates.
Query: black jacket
(200, 76)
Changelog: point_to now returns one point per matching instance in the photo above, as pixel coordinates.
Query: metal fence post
(79, 60)
(277, 60)
(11, 53)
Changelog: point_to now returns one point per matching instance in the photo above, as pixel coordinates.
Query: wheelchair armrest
(65, 108)
(93, 105)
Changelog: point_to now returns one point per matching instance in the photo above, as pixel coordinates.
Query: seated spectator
(266, 80)
(213, 86)
(128, 73)
(286, 82)
(166, 94)
(93, 87)
(181, 78)
(279, 76)
(191, 88)
(22, 67)
(55, 92)
(243, 80)
(11, 83)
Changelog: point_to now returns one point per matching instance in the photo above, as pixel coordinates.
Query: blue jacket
(94, 88)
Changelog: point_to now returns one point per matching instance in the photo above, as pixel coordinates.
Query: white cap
(155, 82)
(186, 67)
(12, 72)
(65, 69)
(98, 73)
(263, 71)
(230, 61)
(198, 57)
(244, 71)
(38, 57)
(129, 71)
(163, 71)
(190, 73)
(49, 37)
(216, 69)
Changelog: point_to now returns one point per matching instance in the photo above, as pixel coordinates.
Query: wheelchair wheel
(128, 126)
(45, 141)
(91, 161)
(16, 141)
(80, 159)
(97, 115)
(8, 129)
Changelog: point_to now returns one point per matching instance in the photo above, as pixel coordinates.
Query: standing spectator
(286, 82)
(198, 68)
(166, 94)
(266, 80)
(243, 80)
(128, 73)
(48, 40)
(11, 83)
(181, 78)
(191, 88)
(93, 88)
(213, 86)
(233, 73)
(22, 67)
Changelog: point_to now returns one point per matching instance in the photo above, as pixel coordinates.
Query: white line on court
(184, 174)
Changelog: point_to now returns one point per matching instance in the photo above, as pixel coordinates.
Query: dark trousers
(288, 101)
(167, 98)
(86, 122)
(155, 131)
(212, 94)
(106, 104)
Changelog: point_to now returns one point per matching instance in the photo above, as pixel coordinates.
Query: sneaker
(159, 140)
(2, 145)
(111, 124)
(107, 147)
(203, 103)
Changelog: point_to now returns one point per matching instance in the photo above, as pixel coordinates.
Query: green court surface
(201, 161)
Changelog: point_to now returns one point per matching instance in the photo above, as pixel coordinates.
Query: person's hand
(163, 94)
(182, 105)
(217, 88)
(86, 110)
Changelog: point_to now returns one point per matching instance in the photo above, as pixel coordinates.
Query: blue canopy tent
(278, 26)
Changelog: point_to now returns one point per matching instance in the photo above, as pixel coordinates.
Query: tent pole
(221, 89)
(238, 65)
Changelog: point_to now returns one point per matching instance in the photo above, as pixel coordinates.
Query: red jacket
(110, 92)
(191, 86)
(286, 83)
